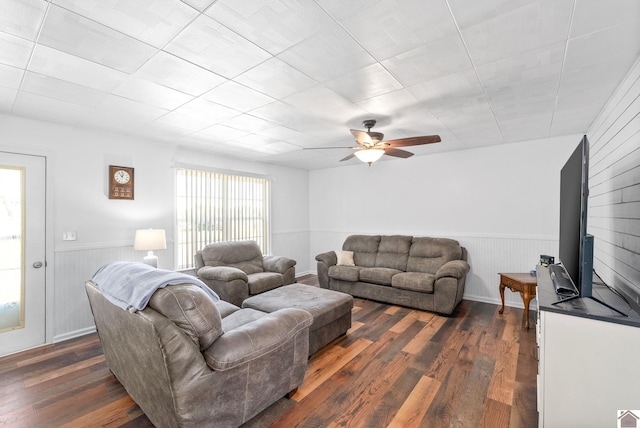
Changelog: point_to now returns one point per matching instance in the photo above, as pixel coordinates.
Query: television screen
(574, 193)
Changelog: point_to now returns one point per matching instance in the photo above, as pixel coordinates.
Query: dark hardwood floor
(396, 367)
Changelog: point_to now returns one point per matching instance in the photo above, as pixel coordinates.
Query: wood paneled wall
(614, 181)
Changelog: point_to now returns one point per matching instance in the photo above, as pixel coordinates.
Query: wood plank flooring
(396, 367)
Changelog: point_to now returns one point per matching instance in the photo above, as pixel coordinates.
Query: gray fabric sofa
(236, 270)
(418, 272)
(190, 362)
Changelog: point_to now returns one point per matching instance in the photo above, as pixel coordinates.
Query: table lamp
(149, 240)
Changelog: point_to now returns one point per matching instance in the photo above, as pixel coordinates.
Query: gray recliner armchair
(188, 361)
(236, 270)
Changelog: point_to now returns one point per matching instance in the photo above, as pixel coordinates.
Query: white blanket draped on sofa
(129, 285)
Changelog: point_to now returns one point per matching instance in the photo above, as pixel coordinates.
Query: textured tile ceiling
(264, 80)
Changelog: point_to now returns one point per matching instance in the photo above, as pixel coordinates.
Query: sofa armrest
(454, 268)
(325, 261)
(277, 264)
(221, 273)
(198, 261)
(258, 338)
(230, 284)
(329, 258)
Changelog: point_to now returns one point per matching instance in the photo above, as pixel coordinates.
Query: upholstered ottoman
(331, 310)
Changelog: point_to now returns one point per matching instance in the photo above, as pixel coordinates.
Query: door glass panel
(11, 248)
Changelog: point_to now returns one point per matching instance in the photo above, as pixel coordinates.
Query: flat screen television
(576, 246)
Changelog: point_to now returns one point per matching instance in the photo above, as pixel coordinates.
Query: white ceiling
(264, 79)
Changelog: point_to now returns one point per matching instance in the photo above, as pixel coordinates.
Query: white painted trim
(97, 246)
(507, 303)
(288, 232)
(74, 334)
(301, 274)
(441, 234)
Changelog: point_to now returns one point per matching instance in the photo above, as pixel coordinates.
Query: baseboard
(301, 274)
(483, 299)
(74, 334)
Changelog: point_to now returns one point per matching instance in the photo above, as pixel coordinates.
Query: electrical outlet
(68, 236)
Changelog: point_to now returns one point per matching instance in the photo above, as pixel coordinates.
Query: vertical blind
(216, 207)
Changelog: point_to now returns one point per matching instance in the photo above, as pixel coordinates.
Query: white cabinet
(588, 370)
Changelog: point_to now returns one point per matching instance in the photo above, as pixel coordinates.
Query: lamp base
(151, 259)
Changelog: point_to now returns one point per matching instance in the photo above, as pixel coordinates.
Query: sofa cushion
(344, 258)
(260, 282)
(364, 247)
(428, 254)
(378, 275)
(253, 340)
(414, 281)
(393, 252)
(244, 255)
(345, 273)
(192, 310)
(226, 308)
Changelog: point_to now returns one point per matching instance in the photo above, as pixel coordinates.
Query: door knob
(37, 265)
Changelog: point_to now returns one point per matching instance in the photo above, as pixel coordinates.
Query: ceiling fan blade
(399, 153)
(347, 157)
(333, 147)
(362, 137)
(414, 141)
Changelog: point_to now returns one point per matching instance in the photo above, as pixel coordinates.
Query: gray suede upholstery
(393, 252)
(365, 249)
(253, 360)
(418, 272)
(236, 270)
(330, 309)
(190, 309)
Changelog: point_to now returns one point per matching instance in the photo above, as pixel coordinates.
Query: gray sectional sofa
(418, 272)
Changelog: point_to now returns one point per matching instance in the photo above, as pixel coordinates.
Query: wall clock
(120, 182)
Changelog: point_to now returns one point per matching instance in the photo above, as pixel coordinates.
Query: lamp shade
(369, 155)
(150, 239)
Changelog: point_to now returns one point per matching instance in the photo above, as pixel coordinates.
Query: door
(22, 252)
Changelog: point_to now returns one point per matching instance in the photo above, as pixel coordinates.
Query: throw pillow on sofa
(345, 258)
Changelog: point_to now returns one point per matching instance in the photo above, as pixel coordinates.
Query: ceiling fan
(371, 147)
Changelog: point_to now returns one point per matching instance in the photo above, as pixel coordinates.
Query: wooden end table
(525, 283)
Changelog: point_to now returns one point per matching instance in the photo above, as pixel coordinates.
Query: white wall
(614, 181)
(500, 202)
(77, 162)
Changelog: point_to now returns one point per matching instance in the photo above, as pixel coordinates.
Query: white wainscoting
(293, 244)
(72, 314)
(489, 256)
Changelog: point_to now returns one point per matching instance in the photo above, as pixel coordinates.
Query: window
(215, 207)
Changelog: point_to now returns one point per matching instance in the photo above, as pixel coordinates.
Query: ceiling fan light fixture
(369, 155)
